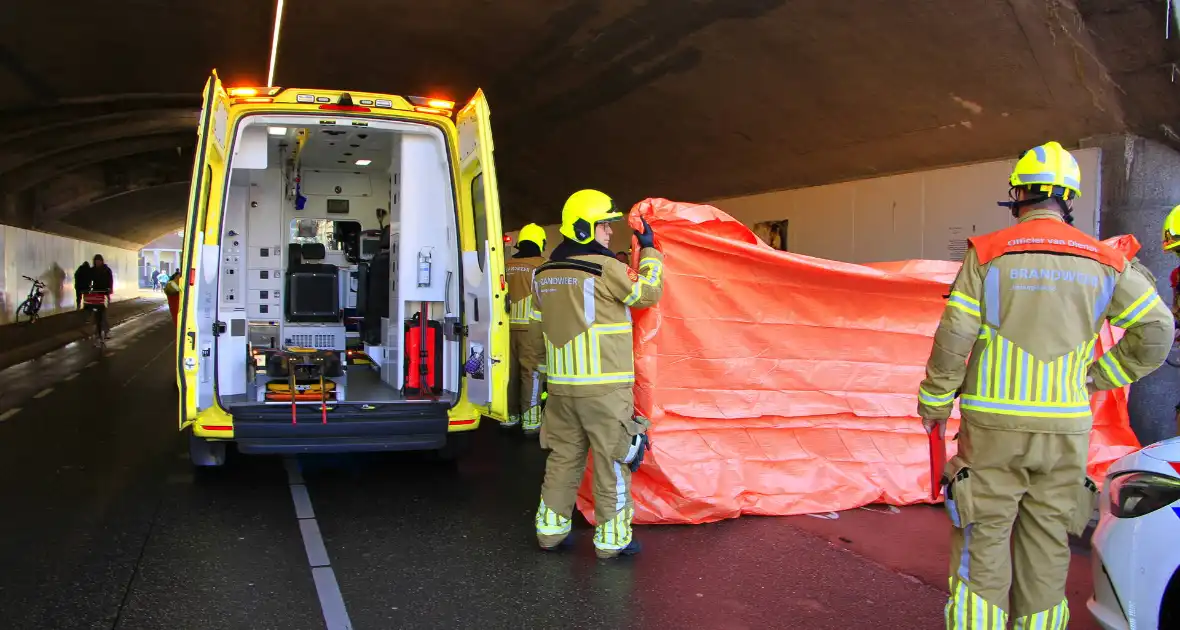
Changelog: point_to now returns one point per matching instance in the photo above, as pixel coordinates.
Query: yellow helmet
(532, 233)
(1049, 169)
(1171, 239)
(582, 211)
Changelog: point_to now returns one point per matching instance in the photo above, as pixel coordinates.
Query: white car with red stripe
(1136, 546)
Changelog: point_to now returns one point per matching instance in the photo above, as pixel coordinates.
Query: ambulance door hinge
(218, 328)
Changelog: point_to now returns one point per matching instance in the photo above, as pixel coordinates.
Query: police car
(1136, 546)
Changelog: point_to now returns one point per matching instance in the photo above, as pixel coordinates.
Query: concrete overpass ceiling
(687, 99)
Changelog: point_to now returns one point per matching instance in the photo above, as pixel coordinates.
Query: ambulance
(343, 291)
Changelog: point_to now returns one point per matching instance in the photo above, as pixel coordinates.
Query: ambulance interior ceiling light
(364, 162)
(277, 131)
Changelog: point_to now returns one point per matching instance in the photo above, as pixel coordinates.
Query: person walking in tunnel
(102, 280)
(526, 374)
(1016, 345)
(81, 282)
(582, 298)
(172, 291)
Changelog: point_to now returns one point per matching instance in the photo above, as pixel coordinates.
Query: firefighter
(1016, 345)
(1171, 243)
(582, 297)
(526, 374)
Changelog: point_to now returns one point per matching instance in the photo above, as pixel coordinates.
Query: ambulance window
(481, 218)
(334, 235)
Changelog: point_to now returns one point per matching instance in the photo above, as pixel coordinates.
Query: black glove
(648, 237)
(644, 445)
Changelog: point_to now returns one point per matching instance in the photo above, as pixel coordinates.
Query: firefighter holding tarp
(1016, 344)
(582, 297)
(526, 374)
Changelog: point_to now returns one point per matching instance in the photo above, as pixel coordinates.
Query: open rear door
(190, 337)
(483, 264)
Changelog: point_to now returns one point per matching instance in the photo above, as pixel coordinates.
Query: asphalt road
(106, 526)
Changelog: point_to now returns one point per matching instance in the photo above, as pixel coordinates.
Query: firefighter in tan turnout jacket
(583, 299)
(1016, 345)
(526, 374)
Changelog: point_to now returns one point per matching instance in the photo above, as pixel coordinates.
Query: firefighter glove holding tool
(647, 238)
(639, 442)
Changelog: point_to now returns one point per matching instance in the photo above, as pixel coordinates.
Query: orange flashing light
(433, 110)
(439, 103)
(242, 91)
(254, 99)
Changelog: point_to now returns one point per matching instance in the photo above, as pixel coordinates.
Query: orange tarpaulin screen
(784, 384)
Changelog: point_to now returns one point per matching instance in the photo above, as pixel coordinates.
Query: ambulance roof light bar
(253, 94)
(426, 105)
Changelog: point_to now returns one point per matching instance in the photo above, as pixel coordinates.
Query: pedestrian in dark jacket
(101, 278)
(81, 282)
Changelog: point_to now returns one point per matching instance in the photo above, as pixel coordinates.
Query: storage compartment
(341, 228)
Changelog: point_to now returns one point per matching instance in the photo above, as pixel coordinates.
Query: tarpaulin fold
(783, 384)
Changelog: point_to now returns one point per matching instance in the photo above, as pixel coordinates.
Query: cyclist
(102, 281)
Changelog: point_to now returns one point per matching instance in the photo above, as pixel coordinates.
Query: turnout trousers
(526, 382)
(574, 427)
(1012, 498)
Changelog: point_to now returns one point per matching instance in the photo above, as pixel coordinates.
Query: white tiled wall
(902, 217)
(897, 217)
(53, 259)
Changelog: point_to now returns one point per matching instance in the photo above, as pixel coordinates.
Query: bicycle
(31, 307)
(96, 302)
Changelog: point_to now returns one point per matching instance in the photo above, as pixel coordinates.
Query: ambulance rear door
(483, 266)
(195, 320)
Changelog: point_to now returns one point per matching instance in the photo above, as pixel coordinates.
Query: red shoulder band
(1045, 235)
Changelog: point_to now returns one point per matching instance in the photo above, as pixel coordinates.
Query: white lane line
(71, 377)
(302, 501)
(294, 474)
(91, 364)
(335, 615)
(10, 413)
(331, 601)
(313, 543)
(43, 393)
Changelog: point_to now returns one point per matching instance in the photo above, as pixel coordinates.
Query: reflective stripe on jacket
(583, 305)
(518, 274)
(1017, 337)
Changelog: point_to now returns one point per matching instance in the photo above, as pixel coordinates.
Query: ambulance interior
(338, 238)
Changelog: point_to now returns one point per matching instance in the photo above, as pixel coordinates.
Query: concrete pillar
(1140, 185)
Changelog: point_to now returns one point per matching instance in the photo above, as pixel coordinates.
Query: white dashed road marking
(331, 601)
(10, 413)
(43, 393)
(71, 377)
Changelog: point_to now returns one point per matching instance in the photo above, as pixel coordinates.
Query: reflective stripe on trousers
(1056, 618)
(614, 534)
(967, 611)
(550, 523)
